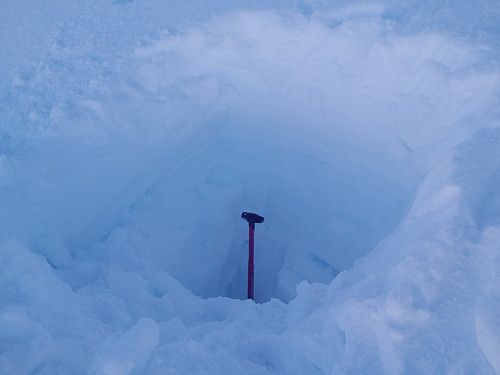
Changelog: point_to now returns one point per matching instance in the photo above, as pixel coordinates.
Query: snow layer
(134, 133)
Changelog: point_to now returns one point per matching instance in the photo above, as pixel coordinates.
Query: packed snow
(133, 133)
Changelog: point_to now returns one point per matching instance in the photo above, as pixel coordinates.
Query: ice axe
(252, 220)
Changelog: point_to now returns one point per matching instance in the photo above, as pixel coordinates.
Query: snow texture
(133, 133)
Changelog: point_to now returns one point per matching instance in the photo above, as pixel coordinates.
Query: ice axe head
(252, 218)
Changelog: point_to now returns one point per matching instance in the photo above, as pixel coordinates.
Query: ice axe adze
(252, 220)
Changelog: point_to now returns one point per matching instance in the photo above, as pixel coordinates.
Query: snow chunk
(124, 353)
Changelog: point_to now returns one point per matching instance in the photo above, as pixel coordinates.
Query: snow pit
(134, 133)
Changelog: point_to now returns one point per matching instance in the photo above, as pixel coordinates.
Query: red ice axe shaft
(252, 220)
(251, 229)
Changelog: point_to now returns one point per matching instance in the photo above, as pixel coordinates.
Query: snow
(134, 133)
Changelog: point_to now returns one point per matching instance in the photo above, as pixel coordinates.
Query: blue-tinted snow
(133, 134)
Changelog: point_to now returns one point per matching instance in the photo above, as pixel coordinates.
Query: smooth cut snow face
(134, 133)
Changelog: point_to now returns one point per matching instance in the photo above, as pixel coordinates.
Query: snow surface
(133, 133)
